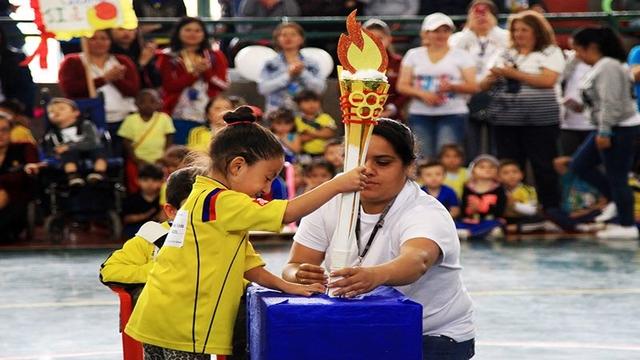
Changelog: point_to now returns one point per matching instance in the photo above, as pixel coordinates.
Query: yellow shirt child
(148, 137)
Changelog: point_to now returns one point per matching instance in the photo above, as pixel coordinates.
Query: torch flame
(361, 50)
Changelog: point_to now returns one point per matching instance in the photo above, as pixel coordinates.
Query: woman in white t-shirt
(524, 111)
(397, 246)
(437, 78)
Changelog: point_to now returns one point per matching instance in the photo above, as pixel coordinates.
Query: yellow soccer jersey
(193, 291)
(22, 134)
(132, 263)
(149, 137)
(199, 138)
(315, 146)
(457, 180)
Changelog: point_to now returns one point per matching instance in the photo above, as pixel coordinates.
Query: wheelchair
(64, 207)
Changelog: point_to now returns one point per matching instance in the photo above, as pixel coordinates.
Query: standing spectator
(394, 108)
(159, 8)
(142, 54)
(115, 76)
(284, 76)
(192, 73)
(15, 80)
(16, 162)
(482, 38)
(266, 8)
(525, 112)
(575, 125)
(607, 93)
(436, 77)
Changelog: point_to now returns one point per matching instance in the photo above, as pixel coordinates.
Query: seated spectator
(13, 110)
(129, 42)
(522, 200)
(451, 156)
(483, 200)
(431, 175)
(16, 82)
(314, 126)
(131, 265)
(289, 73)
(265, 8)
(282, 124)
(192, 73)
(148, 133)
(115, 76)
(394, 107)
(144, 205)
(317, 173)
(73, 139)
(200, 137)
(17, 161)
(334, 154)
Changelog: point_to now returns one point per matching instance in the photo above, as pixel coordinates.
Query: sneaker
(590, 227)
(76, 182)
(609, 212)
(95, 178)
(463, 234)
(614, 231)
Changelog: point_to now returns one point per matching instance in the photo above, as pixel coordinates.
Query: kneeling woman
(417, 250)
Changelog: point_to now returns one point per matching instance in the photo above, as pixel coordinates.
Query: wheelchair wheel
(55, 229)
(115, 224)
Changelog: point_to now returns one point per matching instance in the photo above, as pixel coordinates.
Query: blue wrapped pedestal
(384, 324)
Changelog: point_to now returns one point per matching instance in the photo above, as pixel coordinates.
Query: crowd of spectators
(505, 100)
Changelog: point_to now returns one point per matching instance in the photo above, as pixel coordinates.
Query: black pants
(539, 145)
(445, 348)
(570, 140)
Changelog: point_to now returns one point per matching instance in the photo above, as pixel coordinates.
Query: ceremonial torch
(363, 93)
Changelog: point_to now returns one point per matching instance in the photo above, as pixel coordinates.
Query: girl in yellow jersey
(189, 304)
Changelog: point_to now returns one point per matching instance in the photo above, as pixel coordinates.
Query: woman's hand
(505, 71)
(432, 99)
(201, 65)
(115, 73)
(445, 86)
(603, 142)
(295, 68)
(301, 289)
(355, 281)
(351, 181)
(311, 274)
(147, 53)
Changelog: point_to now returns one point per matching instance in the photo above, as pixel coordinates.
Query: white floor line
(560, 345)
(61, 356)
(59, 304)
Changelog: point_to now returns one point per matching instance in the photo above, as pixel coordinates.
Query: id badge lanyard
(363, 252)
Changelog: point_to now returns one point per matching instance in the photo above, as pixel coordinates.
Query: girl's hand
(603, 142)
(304, 290)
(351, 181)
(355, 281)
(311, 274)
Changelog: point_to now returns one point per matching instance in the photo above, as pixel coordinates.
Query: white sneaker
(609, 212)
(590, 227)
(614, 231)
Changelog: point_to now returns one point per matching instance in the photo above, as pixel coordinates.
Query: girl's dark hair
(176, 44)
(180, 182)
(319, 164)
(607, 40)
(542, 30)
(399, 136)
(243, 137)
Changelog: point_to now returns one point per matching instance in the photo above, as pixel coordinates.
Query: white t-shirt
(550, 58)
(116, 106)
(427, 76)
(447, 308)
(481, 48)
(572, 120)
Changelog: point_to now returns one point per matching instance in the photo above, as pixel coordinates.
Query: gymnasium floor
(535, 299)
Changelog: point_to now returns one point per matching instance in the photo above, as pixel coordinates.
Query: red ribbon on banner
(43, 49)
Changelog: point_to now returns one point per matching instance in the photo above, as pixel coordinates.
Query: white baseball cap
(435, 20)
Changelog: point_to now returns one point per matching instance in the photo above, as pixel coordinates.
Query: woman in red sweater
(192, 73)
(115, 76)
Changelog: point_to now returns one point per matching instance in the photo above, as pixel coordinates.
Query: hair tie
(240, 122)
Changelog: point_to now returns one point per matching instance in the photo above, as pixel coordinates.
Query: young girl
(451, 157)
(188, 307)
(483, 200)
(283, 126)
(607, 90)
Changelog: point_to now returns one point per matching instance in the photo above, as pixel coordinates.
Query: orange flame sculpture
(363, 95)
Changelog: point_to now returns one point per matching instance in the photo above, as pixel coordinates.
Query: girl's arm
(261, 276)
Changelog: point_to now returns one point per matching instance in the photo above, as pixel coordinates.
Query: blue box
(384, 324)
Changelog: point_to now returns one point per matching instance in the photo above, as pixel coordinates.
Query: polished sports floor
(534, 299)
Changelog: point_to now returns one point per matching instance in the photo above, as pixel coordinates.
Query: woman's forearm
(416, 257)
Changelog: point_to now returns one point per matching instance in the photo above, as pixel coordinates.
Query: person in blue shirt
(432, 175)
